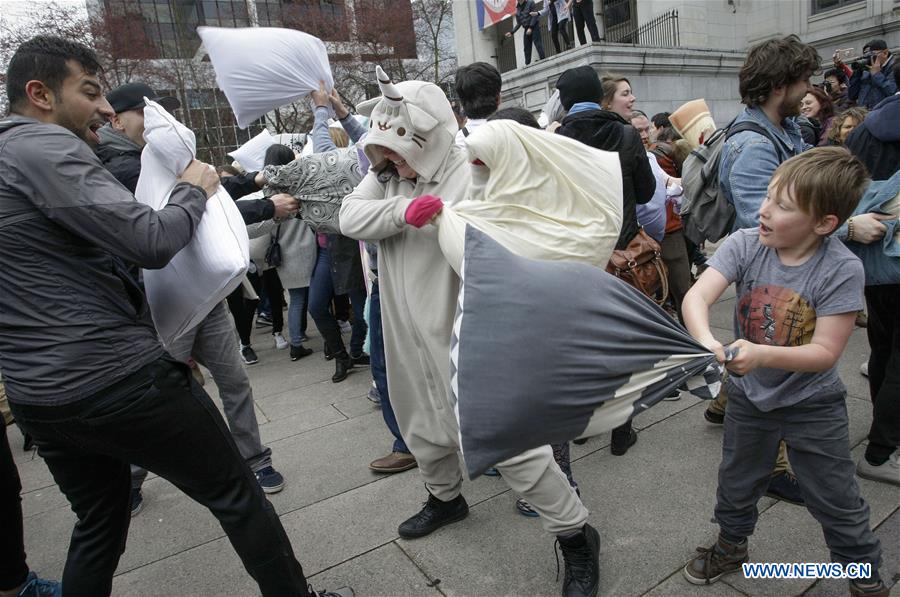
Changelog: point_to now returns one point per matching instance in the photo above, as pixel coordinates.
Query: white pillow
(262, 68)
(252, 154)
(214, 262)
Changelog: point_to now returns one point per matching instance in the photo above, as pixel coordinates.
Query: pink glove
(422, 209)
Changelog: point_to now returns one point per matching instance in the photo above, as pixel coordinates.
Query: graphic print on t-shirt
(777, 316)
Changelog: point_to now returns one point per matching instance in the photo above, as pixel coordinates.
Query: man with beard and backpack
(773, 81)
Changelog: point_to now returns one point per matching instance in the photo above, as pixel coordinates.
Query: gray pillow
(540, 348)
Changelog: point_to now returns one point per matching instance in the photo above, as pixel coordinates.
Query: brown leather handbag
(641, 265)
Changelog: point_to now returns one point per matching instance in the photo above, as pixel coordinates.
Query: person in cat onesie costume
(415, 169)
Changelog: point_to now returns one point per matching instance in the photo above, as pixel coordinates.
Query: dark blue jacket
(524, 17)
(876, 142)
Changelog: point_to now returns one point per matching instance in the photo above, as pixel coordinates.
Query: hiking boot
(248, 355)
(298, 352)
(887, 472)
(433, 516)
(395, 462)
(137, 501)
(581, 557)
(622, 438)
(714, 417)
(861, 588)
(38, 587)
(709, 565)
(342, 592)
(269, 480)
(342, 365)
(785, 487)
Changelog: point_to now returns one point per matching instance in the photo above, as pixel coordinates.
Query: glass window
(820, 6)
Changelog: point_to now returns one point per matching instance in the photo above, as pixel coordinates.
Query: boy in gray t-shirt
(798, 292)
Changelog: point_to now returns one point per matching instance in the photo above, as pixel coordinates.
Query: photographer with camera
(835, 86)
(872, 77)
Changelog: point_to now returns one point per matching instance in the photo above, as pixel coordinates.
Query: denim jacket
(748, 161)
(881, 260)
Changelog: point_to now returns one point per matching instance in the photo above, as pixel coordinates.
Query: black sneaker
(785, 487)
(360, 360)
(433, 516)
(249, 355)
(298, 352)
(581, 557)
(263, 320)
(137, 501)
(711, 564)
(622, 439)
(714, 417)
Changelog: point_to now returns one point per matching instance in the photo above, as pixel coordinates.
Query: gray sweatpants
(213, 344)
(818, 444)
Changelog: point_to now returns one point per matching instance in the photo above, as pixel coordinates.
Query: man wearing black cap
(212, 342)
(873, 75)
(122, 140)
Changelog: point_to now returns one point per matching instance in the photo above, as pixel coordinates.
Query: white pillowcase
(214, 262)
(262, 68)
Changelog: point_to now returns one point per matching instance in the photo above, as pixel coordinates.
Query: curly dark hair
(775, 63)
(43, 58)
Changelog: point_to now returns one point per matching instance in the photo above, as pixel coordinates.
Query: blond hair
(823, 181)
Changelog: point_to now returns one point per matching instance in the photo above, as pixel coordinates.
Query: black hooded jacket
(608, 131)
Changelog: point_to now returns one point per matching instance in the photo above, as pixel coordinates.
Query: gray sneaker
(887, 472)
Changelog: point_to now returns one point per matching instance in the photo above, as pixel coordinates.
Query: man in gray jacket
(85, 374)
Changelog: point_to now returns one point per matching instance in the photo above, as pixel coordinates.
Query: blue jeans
(321, 288)
(379, 369)
(297, 314)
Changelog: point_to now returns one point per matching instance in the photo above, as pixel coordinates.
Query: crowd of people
(356, 221)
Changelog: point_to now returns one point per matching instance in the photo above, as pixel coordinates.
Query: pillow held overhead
(263, 68)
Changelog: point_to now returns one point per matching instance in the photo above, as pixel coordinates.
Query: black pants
(557, 28)
(159, 419)
(883, 305)
(13, 569)
(535, 39)
(242, 310)
(583, 12)
(272, 283)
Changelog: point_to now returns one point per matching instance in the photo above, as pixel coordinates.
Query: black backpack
(706, 212)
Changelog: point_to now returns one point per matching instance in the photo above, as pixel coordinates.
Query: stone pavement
(653, 506)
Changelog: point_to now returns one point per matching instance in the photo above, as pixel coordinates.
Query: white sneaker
(889, 472)
(345, 326)
(864, 369)
(280, 342)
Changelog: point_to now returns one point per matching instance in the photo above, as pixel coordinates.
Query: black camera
(864, 61)
(827, 87)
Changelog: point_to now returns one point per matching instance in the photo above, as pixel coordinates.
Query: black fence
(660, 32)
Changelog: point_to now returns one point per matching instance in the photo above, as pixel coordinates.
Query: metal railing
(660, 32)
